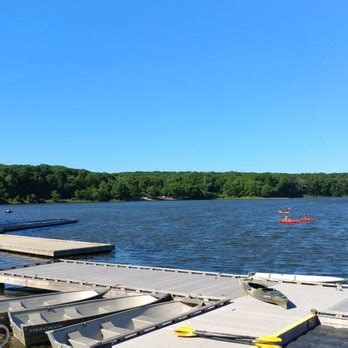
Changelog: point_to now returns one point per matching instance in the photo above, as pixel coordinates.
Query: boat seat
(110, 330)
(36, 318)
(16, 306)
(72, 313)
(79, 341)
(109, 308)
(102, 310)
(142, 320)
(50, 303)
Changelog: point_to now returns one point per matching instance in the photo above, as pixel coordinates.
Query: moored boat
(263, 293)
(296, 278)
(43, 300)
(29, 326)
(106, 330)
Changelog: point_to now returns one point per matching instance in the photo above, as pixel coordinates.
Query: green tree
(152, 192)
(31, 198)
(55, 196)
(120, 190)
(234, 188)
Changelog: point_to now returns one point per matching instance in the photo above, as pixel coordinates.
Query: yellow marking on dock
(298, 328)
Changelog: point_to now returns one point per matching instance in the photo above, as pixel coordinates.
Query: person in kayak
(306, 218)
(286, 217)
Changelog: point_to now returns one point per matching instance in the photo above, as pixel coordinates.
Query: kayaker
(286, 217)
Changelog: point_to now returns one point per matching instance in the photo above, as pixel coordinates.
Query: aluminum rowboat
(106, 331)
(29, 326)
(43, 300)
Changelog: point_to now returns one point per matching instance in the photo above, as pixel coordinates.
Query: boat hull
(105, 331)
(34, 334)
(262, 293)
(4, 319)
(272, 299)
(289, 221)
(43, 301)
(297, 278)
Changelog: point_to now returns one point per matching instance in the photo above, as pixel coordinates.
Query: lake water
(235, 236)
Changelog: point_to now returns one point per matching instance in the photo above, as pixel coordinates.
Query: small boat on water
(284, 211)
(263, 293)
(289, 221)
(106, 330)
(29, 326)
(44, 300)
(8, 211)
(307, 219)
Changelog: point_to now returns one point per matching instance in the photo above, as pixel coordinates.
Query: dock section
(65, 275)
(15, 226)
(247, 316)
(50, 247)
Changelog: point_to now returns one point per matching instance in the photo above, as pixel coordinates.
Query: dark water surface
(236, 236)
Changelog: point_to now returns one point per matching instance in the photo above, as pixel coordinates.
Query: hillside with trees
(25, 183)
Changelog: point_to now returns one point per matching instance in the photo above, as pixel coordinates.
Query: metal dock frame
(147, 329)
(64, 283)
(57, 284)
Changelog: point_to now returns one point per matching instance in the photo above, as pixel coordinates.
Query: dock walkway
(50, 247)
(74, 275)
(15, 226)
(66, 275)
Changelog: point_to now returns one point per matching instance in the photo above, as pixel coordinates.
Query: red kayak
(289, 221)
(307, 219)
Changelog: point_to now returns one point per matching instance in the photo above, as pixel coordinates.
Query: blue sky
(175, 85)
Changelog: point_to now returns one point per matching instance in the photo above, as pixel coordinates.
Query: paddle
(265, 341)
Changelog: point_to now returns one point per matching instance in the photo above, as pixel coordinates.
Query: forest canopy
(26, 183)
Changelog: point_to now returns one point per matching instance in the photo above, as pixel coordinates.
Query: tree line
(26, 183)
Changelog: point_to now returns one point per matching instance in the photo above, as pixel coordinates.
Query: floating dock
(247, 316)
(50, 247)
(34, 224)
(236, 313)
(68, 275)
(65, 275)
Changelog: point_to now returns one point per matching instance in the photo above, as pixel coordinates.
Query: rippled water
(236, 236)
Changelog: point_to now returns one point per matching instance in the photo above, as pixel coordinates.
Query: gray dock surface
(243, 315)
(71, 275)
(15, 226)
(50, 247)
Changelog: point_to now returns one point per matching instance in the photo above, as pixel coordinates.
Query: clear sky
(175, 85)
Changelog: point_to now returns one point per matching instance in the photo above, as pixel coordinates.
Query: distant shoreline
(44, 184)
(67, 201)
